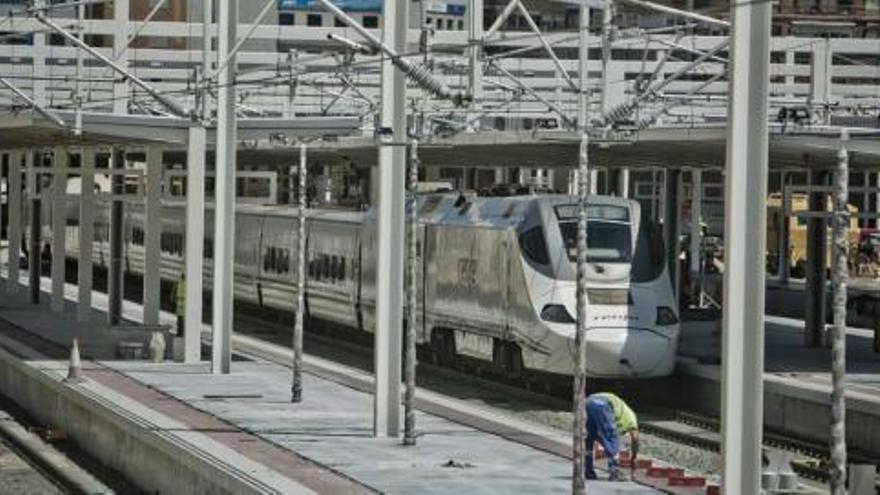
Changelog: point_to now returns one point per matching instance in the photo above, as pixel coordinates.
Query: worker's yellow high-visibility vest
(180, 298)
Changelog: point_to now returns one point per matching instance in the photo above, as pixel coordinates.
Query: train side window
(284, 262)
(334, 267)
(325, 268)
(342, 268)
(268, 259)
(534, 246)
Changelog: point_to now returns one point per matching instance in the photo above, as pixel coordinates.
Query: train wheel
(515, 367)
(443, 346)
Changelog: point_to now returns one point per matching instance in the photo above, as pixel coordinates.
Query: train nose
(621, 352)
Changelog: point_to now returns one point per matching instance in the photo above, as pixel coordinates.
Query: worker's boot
(615, 474)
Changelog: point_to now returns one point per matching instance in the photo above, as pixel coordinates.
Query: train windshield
(608, 233)
(607, 242)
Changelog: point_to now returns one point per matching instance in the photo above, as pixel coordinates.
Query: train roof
(504, 212)
(446, 209)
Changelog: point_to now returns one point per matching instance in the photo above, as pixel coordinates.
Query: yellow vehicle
(797, 228)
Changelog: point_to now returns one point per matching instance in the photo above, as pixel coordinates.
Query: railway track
(702, 433)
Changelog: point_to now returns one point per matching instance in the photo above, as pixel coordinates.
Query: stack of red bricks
(667, 478)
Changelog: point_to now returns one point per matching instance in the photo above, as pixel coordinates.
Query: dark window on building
(287, 19)
(137, 236)
(370, 21)
(172, 243)
(338, 22)
(315, 20)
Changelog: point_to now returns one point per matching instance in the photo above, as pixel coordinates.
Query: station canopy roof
(101, 129)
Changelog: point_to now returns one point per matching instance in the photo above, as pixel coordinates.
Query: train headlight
(556, 313)
(666, 316)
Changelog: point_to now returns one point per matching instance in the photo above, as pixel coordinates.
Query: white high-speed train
(496, 277)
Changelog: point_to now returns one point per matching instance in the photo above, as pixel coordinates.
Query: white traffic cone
(74, 372)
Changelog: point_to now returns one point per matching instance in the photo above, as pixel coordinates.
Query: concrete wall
(155, 460)
(794, 409)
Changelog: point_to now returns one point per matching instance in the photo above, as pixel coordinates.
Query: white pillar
(390, 226)
(152, 235)
(475, 75)
(13, 232)
(121, 14)
(195, 241)
(86, 233)
(742, 403)
(224, 211)
(39, 52)
(820, 74)
(789, 69)
(59, 226)
(623, 183)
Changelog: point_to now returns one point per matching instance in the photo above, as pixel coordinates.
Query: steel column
(742, 402)
(671, 217)
(121, 17)
(59, 227)
(622, 185)
(34, 256)
(817, 259)
(38, 52)
(412, 319)
(475, 56)
(298, 329)
(224, 216)
(840, 275)
(14, 216)
(390, 227)
(785, 231)
(195, 243)
(115, 286)
(584, 179)
(696, 245)
(152, 236)
(207, 51)
(86, 233)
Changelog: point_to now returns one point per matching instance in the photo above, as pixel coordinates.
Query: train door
(246, 256)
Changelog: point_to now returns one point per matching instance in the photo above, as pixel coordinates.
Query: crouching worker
(608, 419)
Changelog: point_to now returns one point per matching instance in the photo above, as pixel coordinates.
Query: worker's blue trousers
(602, 428)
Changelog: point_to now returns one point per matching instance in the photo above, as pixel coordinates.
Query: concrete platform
(175, 427)
(797, 382)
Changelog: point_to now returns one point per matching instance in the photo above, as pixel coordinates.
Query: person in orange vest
(178, 298)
